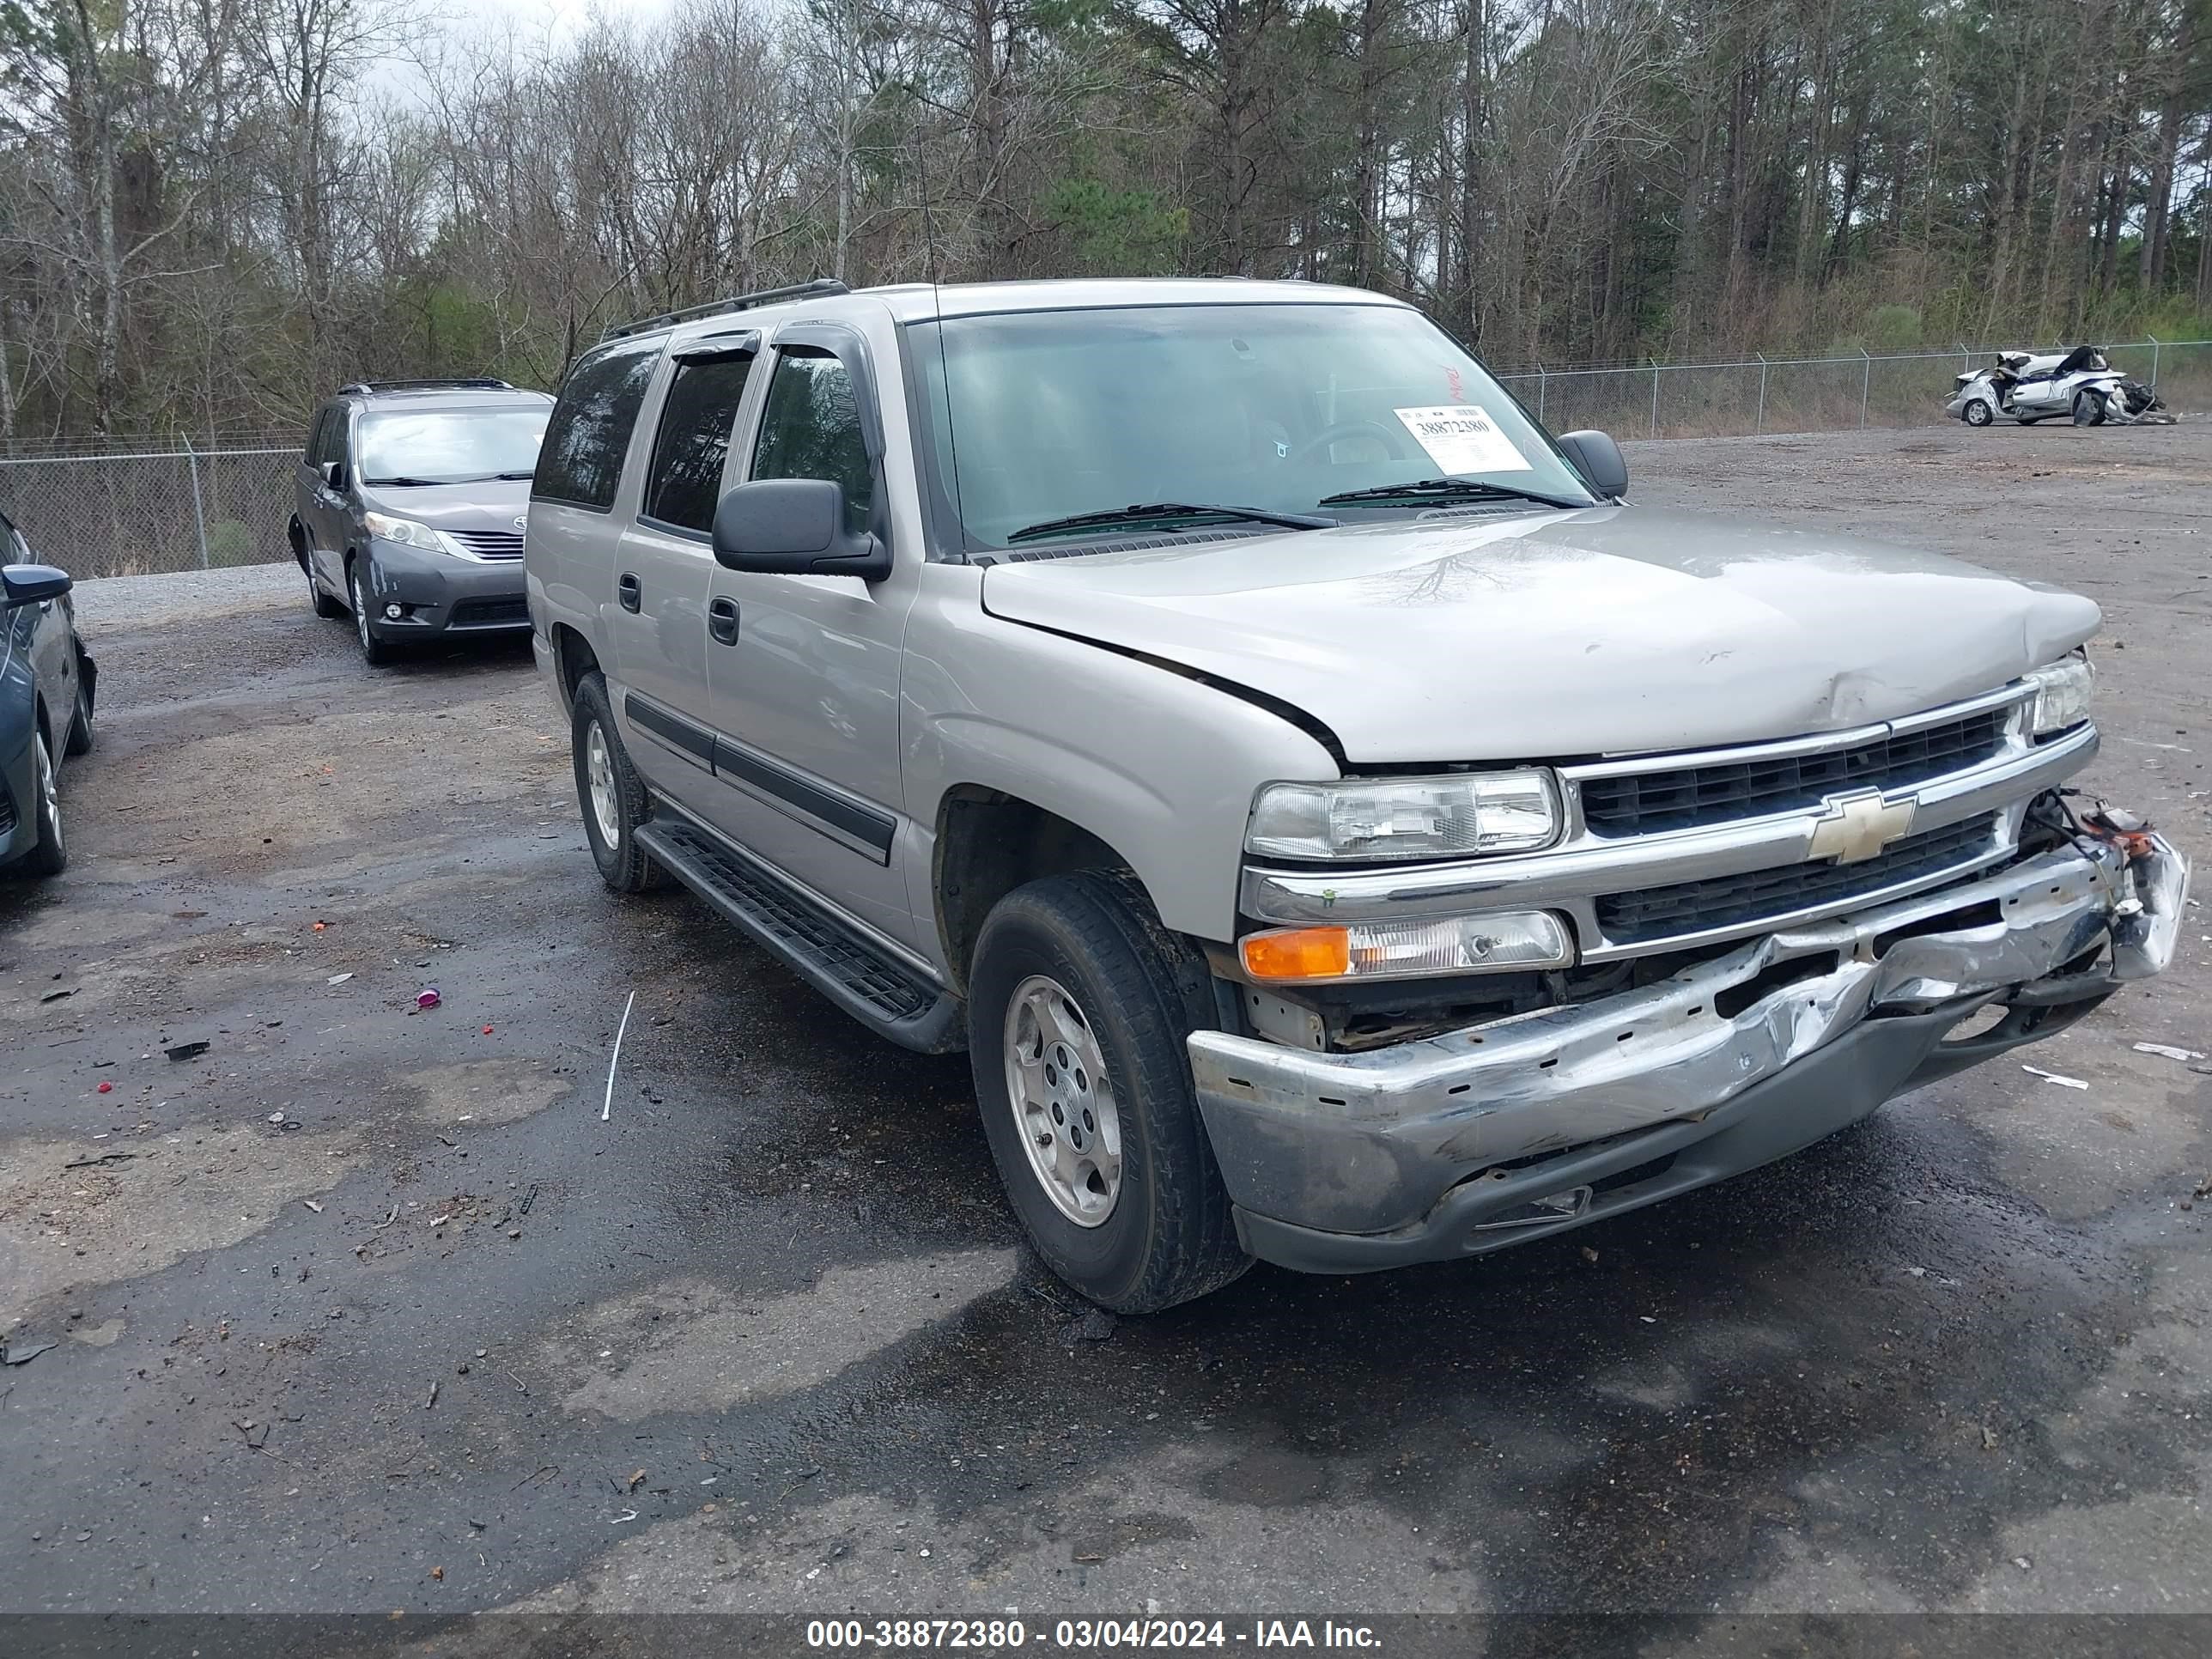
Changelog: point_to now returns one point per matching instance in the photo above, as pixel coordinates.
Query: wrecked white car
(2080, 384)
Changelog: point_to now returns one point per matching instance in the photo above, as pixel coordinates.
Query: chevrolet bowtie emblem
(1857, 827)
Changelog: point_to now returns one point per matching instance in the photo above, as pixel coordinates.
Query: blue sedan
(46, 687)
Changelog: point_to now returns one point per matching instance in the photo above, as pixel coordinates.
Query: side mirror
(794, 527)
(1600, 461)
(333, 475)
(32, 584)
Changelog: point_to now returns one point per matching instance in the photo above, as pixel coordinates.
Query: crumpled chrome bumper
(1385, 1142)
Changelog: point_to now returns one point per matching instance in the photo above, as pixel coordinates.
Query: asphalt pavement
(365, 1308)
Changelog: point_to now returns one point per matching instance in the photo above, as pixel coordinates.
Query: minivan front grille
(1725, 791)
(1687, 908)
(490, 544)
(491, 613)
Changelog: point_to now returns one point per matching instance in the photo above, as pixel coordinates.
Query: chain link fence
(1749, 396)
(166, 505)
(134, 512)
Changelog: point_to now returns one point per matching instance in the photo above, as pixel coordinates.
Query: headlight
(405, 531)
(1445, 817)
(2062, 695)
(1499, 943)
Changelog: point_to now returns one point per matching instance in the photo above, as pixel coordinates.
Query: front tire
(2089, 410)
(51, 856)
(1977, 413)
(609, 791)
(375, 652)
(1079, 1006)
(80, 738)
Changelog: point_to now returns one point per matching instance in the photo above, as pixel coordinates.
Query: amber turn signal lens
(1298, 953)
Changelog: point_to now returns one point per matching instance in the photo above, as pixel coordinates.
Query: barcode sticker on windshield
(1461, 438)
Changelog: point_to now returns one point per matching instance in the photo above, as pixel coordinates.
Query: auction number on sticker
(984, 1633)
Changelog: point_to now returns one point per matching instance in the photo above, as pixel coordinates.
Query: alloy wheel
(1064, 1106)
(599, 774)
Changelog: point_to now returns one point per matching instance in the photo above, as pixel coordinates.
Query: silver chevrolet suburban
(1341, 829)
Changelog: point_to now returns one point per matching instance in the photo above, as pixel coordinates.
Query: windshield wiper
(1446, 488)
(1145, 512)
(403, 482)
(514, 478)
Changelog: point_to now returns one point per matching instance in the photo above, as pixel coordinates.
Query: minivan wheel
(51, 856)
(609, 791)
(375, 652)
(1077, 1009)
(326, 607)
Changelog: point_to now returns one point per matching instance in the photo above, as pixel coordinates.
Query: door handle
(722, 620)
(628, 594)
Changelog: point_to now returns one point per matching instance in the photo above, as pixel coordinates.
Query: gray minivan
(410, 501)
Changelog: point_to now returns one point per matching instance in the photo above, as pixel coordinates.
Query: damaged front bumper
(1467, 1142)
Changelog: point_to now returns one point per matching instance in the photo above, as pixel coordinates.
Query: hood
(491, 504)
(1546, 636)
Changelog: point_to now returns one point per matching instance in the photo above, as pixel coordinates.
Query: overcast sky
(558, 19)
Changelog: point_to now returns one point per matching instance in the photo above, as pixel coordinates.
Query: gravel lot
(369, 1310)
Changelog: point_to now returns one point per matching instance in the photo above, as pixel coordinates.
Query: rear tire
(51, 856)
(2089, 410)
(1080, 1001)
(613, 797)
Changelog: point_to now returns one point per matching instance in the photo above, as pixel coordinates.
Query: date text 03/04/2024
(990, 1635)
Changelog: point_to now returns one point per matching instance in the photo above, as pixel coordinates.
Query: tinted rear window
(701, 407)
(581, 461)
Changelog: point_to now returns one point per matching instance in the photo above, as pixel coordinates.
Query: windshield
(1056, 414)
(450, 446)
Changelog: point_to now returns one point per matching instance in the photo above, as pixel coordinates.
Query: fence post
(199, 515)
(1655, 397)
(1760, 424)
(1539, 392)
(2154, 361)
(1866, 386)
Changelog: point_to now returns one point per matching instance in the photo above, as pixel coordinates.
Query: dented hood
(1548, 635)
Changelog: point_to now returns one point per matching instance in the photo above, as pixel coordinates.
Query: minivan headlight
(1454, 814)
(2063, 691)
(405, 531)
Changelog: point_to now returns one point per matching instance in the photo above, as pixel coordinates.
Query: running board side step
(884, 995)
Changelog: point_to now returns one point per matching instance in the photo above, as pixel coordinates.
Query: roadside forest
(212, 210)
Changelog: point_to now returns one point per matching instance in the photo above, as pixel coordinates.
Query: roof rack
(823, 285)
(480, 383)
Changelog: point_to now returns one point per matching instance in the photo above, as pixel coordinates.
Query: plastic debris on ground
(427, 997)
(19, 1350)
(185, 1050)
(2053, 1077)
(2167, 1051)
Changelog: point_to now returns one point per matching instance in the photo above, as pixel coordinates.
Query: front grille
(490, 544)
(1722, 792)
(1699, 906)
(490, 613)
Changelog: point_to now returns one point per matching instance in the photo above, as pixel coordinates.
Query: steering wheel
(1329, 435)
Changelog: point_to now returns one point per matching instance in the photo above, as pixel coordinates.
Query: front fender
(1159, 765)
